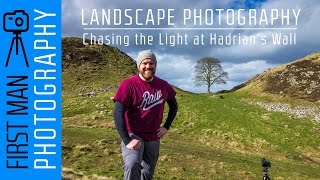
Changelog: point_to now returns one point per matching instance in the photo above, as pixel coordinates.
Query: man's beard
(148, 76)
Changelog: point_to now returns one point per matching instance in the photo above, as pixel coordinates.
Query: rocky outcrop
(297, 111)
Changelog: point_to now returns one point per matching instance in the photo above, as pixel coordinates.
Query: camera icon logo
(16, 22)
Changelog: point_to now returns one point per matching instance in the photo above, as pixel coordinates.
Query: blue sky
(176, 63)
(247, 4)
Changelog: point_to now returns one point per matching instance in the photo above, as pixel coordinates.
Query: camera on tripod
(16, 22)
(265, 165)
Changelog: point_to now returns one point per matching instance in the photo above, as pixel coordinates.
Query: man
(139, 103)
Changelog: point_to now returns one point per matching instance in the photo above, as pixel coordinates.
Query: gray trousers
(140, 164)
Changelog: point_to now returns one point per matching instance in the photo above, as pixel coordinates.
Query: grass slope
(211, 138)
(297, 80)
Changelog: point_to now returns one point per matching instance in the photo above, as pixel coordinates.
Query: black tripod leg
(17, 45)
(8, 58)
(24, 52)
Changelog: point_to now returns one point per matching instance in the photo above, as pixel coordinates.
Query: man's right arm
(119, 110)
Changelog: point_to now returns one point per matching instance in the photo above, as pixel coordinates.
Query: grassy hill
(211, 137)
(299, 79)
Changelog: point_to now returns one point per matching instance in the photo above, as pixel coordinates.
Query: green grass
(211, 138)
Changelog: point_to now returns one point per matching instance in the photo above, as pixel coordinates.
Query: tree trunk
(208, 89)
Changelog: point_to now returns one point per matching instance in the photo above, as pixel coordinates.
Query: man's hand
(134, 144)
(161, 132)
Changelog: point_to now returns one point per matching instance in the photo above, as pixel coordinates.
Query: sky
(298, 18)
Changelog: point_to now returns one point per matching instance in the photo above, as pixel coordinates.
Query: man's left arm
(173, 108)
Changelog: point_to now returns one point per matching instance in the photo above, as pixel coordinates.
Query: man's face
(147, 69)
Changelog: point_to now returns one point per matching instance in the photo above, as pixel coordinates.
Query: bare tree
(208, 71)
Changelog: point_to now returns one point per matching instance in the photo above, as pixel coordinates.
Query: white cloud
(240, 72)
(175, 68)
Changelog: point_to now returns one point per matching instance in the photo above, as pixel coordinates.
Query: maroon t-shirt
(145, 103)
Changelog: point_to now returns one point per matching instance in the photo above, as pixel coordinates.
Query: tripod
(16, 40)
(265, 174)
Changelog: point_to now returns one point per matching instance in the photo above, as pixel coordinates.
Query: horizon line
(221, 29)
